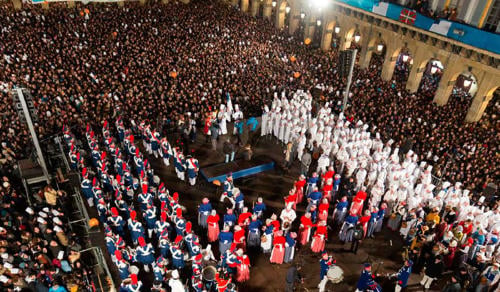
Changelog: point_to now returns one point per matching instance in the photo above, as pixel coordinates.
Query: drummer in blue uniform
(203, 211)
(161, 225)
(254, 231)
(239, 199)
(177, 254)
(325, 263)
(150, 217)
(403, 275)
(228, 190)
(144, 253)
(229, 218)
(313, 198)
(311, 183)
(225, 239)
(340, 210)
(135, 227)
(86, 187)
(366, 280)
(180, 222)
(122, 265)
(192, 167)
(259, 208)
(164, 244)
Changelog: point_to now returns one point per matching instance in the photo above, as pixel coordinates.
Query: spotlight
(287, 9)
(380, 47)
(302, 15)
(274, 3)
(467, 83)
(405, 58)
(357, 37)
(337, 29)
(318, 22)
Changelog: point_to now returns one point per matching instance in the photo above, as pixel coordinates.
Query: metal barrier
(102, 274)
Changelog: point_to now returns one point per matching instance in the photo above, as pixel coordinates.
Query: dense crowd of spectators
(38, 250)
(158, 62)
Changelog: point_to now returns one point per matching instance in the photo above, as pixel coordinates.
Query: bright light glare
(380, 47)
(357, 38)
(467, 83)
(405, 58)
(318, 22)
(438, 64)
(337, 29)
(287, 9)
(320, 4)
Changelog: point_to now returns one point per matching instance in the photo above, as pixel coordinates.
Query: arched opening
(260, 12)
(336, 37)
(465, 87)
(491, 116)
(318, 33)
(300, 31)
(354, 42)
(431, 77)
(378, 56)
(349, 38)
(404, 63)
(283, 12)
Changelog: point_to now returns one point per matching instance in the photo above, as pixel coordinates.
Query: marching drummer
(366, 280)
(403, 275)
(325, 263)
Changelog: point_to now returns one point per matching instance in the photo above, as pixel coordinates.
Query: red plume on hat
(84, 172)
(233, 247)
(188, 227)
(144, 188)
(103, 155)
(146, 161)
(72, 147)
(88, 128)
(119, 179)
(91, 134)
(178, 212)
(176, 196)
(178, 239)
(118, 255)
(131, 138)
(77, 155)
(142, 173)
(114, 211)
(133, 214)
(137, 152)
(164, 217)
(133, 277)
(162, 186)
(142, 242)
(124, 165)
(163, 205)
(198, 257)
(105, 125)
(94, 181)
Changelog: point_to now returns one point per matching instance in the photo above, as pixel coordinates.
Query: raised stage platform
(239, 168)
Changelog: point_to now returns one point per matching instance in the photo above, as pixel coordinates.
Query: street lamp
(467, 82)
(380, 47)
(274, 3)
(318, 22)
(405, 58)
(357, 37)
(434, 70)
(287, 9)
(337, 29)
(302, 15)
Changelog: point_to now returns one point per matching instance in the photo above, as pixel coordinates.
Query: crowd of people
(442, 231)
(173, 65)
(39, 250)
(96, 64)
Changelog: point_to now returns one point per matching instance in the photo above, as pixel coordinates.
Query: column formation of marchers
(120, 181)
(365, 181)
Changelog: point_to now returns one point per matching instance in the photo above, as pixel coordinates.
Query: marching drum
(335, 274)
(208, 276)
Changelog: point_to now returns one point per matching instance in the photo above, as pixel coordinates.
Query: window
(493, 18)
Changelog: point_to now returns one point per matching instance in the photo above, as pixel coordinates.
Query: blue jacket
(225, 237)
(365, 281)
(403, 276)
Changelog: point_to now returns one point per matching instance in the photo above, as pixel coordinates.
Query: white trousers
(398, 288)
(426, 281)
(322, 284)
